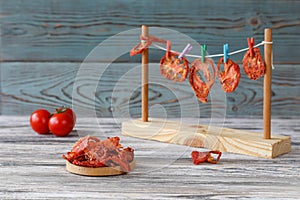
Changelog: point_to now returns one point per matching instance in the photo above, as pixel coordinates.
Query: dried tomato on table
(89, 151)
(202, 87)
(200, 157)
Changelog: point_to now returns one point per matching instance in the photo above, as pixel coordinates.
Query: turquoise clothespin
(225, 52)
(203, 52)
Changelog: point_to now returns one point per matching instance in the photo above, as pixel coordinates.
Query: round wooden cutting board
(98, 171)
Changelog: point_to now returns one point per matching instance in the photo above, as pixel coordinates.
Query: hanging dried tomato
(144, 44)
(253, 64)
(202, 87)
(230, 76)
(172, 67)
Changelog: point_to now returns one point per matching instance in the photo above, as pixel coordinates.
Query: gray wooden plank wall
(43, 44)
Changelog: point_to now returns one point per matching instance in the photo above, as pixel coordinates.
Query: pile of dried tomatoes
(89, 151)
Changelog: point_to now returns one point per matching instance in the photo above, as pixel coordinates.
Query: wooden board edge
(98, 171)
(282, 147)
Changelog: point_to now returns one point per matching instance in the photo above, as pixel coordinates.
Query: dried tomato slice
(253, 64)
(200, 157)
(83, 142)
(140, 47)
(147, 41)
(230, 76)
(174, 68)
(202, 87)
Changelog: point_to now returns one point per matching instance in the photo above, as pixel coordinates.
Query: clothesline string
(215, 55)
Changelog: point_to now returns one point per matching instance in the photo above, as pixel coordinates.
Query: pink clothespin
(185, 50)
(251, 44)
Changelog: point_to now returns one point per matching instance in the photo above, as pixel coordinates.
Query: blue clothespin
(203, 52)
(225, 52)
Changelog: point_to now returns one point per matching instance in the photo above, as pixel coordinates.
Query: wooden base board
(98, 171)
(216, 138)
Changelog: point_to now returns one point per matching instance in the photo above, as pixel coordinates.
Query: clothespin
(169, 44)
(250, 45)
(185, 50)
(225, 52)
(203, 52)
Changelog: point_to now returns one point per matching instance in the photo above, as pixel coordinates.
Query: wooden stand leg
(267, 84)
(145, 33)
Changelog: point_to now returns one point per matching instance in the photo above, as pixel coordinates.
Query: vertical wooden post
(145, 71)
(267, 83)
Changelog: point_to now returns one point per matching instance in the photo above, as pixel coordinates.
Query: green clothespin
(203, 52)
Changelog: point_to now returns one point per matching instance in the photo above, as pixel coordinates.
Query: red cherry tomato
(67, 110)
(61, 124)
(39, 121)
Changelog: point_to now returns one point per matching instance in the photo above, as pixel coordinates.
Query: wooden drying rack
(216, 138)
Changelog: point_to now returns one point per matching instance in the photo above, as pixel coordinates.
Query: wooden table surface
(31, 166)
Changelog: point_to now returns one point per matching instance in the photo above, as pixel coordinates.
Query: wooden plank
(162, 171)
(28, 86)
(210, 137)
(66, 31)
